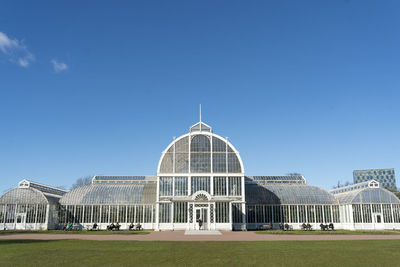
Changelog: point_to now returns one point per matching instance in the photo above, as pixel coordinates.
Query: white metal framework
(200, 177)
(200, 185)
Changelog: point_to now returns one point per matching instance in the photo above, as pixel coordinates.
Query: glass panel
(200, 143)
(165, 212)
(182, 162)
(237, 213)
(200, 162)
(235, 186)
(200, 183)
(181, 186)
(165, 186)
(233, 163)
(220, 186)
(219, 145)
(222, 212)
(219, 162)
(180, 212)
(182, 146)
(167, 163)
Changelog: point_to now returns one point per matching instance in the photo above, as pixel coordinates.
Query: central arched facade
(200, 176)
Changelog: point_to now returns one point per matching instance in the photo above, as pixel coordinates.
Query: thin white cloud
(58, 66)
(15, 51)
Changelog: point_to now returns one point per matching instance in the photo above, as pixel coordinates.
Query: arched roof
(287, 194)
(26, 196)
(201, 146)
(111, 194)
(367, 195)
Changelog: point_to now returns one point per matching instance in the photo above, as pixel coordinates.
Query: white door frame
(378, 225)
(205, 208)
(22, 224)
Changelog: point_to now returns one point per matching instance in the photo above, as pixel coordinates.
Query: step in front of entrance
(202, 232)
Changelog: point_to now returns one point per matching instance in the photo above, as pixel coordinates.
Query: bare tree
(339, 184)
(82, 181)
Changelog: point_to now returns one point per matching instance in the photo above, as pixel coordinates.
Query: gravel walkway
(180, 236)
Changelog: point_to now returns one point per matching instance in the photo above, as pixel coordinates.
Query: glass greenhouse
(200, 185)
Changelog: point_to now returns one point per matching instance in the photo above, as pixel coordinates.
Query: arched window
(200, 157)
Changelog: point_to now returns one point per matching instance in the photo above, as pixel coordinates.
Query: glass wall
(181, 186)
(220, 186)
(106, 214)
(235, 186)
(166, 186)
(222, 212)
(292, 213)
(221, 156)
(200, 183)
(180, 212)
(165, 213)
(16, 213)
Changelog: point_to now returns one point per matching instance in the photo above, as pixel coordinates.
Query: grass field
(277, 253)
(102, 232)
(336, 232)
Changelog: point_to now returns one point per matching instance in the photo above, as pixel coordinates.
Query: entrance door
(378, 220)
(21, 219)
(201, 218)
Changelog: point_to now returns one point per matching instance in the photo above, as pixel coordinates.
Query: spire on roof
(200, 126)
(200, 112)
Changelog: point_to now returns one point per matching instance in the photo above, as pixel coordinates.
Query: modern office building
(386, 177)
(200, 176)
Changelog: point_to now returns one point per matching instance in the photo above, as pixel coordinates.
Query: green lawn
(84, 232)
(275, 253)
(319, 232)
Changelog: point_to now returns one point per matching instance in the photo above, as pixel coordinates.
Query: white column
(391, 212)
(315, 216)
(143, 213)
(230, 213)
(212, 185)
(189, 185)
(15, 216)
(306, 211)
(172, 215)
(243, 189)
(173, 186)
(47, 216)
(109, 214)
(83, 213)
(126, 214)
(73, 219)
(227, 185)
(91, 215)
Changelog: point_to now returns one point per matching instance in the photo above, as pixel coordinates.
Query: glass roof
(112, 194)
(287, 194)
(26, 196)
(123, 179)
(367, 195)
(200, 153)
(296, 179)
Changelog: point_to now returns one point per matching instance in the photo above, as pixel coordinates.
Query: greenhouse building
(200, 185)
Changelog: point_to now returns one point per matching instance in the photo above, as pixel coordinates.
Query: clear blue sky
(102, 87)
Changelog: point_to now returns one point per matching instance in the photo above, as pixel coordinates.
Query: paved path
(180, 236)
